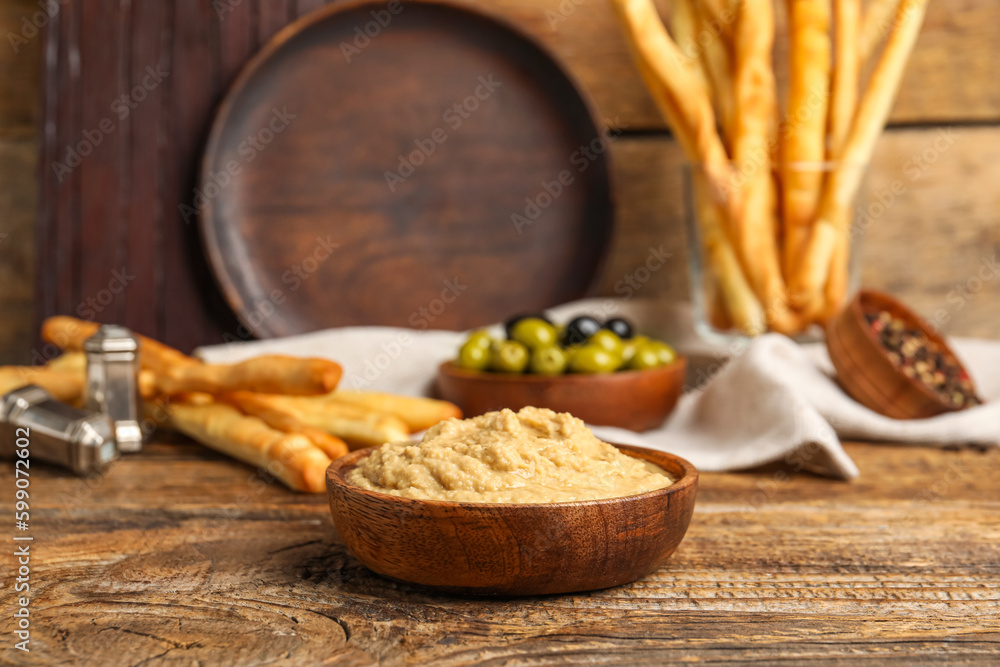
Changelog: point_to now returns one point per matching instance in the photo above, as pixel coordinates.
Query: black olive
(509, 324)
(580, 329)
(621, 327)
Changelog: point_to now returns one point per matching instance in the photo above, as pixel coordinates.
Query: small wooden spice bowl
(865, 369)
(509, 549)
(634, 400)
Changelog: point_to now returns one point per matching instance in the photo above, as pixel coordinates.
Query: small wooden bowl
(863, 365)
(635, 400)
(508, 549)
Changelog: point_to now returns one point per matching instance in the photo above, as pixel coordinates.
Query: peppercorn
(918, 357)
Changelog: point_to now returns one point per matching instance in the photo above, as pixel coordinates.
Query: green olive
(608, 340)
(628, 350)
(549, 360)
(533, 332)
(473, 356)
(646, 356)
(594, 359)
(510, 357)
(481, 338)
(664, 352)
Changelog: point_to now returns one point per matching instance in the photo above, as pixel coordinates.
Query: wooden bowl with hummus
(508, 503)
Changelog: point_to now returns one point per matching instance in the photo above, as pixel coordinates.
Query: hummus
(532, 456)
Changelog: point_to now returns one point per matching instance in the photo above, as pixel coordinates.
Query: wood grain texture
(944, 225)
(20, 66)
(402, 195)
(18, 160)
(179, 556)
(499, 549)
(634, 400)
(928, 230)
(20, 69)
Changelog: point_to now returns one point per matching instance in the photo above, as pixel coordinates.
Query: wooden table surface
(180, 557)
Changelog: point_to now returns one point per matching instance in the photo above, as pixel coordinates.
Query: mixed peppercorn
(921, 358)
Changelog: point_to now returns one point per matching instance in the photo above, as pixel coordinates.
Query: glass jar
(773, 269)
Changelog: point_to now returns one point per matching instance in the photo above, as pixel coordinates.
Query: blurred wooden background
(935, 245)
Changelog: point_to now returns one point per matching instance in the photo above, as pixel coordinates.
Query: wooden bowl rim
(449, 368)
(336, 474)
(881, 298)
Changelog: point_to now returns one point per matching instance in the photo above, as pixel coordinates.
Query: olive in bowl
(605, 380)
(534, 345)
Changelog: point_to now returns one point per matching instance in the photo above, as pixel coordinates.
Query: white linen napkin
(774, 400)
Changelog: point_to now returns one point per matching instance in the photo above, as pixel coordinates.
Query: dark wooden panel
(192, 312)
(237, 37)
(104, 177)
(145, 215)
(303, 7)
(273, 16)
(59, 226)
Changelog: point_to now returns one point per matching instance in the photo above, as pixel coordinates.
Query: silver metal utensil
(113, 382)
(55, 432)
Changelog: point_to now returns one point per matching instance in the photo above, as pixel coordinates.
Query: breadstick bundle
(278, 413)
(773, 188)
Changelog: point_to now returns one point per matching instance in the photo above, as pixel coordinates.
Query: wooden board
(20, 65)
(931, 224)
(948, 78)
(949, 81)
(180, 556)
(443, 172)
(20, 69)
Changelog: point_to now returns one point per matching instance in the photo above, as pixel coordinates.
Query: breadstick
(875, 25)
(684, 24)
(715, 304)
(810, 278)
(844, 91)
(719, 68)
(70, 333)
(360, 427)
(805, 133)
(835, 292)
(292, 458)
(843, 103)
(257, 405)
(721, 17)
(675, 90)
(176, 372)
(741, 302)
(70, 361)
(275, 374)
(689, 113)
(64, 377)
(756, 100)
(417, 413)
(65, 385)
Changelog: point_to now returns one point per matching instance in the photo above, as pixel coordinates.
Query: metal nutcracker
(54, 432)
(113, 382)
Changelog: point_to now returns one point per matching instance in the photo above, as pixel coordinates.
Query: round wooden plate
(430, 168)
